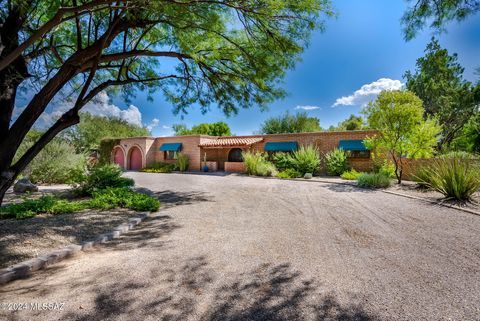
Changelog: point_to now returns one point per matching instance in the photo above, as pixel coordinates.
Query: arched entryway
(119, 157)
(235, 155)
(135, 159)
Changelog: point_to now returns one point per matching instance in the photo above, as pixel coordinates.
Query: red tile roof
(230, 141)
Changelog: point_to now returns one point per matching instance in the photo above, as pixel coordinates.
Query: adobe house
(225, 153)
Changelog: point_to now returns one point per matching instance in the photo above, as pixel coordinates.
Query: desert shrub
(351, 175)
(123, 197)
(289, 173)
(387, 168)
(336, 162)
(373, 180)
(306, 159)
(56, 163)
(283, 161)
(45, 204)
(159, 168)
(182, 162)
(456, 178)
(104, 176)
(257, 164)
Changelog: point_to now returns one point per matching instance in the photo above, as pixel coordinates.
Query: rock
(307, 175)
(24, 185)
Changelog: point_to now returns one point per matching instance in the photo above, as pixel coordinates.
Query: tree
(439, 12)
(88, 133)
(438, 81)
(287, 123)
(214, 129)
(351, 123)
(402, 130)
(231, 53)
(469, 138)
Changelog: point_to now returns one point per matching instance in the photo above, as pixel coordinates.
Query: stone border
(24, 269)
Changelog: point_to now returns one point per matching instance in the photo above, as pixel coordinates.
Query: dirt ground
(240, 248)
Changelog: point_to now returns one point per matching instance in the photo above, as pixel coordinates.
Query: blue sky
(361, 46)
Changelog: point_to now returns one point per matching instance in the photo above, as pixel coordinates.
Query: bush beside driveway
(240, 248)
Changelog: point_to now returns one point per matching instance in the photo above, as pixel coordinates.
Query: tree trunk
(6, 180)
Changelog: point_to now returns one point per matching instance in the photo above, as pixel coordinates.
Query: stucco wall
(324, 141)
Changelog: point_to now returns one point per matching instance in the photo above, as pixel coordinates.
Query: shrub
(102, 199)
(373, 180)
(336, 162)
(351, 175)
(257, 164)
(123, 197)
(102, 177)
(283, 161)
(182, 162)
(56, 163)
(387, 168)
(456, 178)
(306, 159)
(289, 173)
(159, 168)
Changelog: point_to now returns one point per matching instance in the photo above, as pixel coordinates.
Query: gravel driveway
(241, 248)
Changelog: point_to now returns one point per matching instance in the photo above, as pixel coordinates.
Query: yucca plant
(373, 180)
(306, 159)
(182, 162)
(456, 177)
(257, 164)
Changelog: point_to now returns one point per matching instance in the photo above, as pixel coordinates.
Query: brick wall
(324, 141)
(237, 167)
(189, 147)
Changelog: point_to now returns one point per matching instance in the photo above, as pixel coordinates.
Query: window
(235, 155)
(358, 153)
(169, 155)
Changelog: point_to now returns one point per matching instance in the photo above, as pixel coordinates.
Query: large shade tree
(288, 123)
(435, 14)
(228, 52)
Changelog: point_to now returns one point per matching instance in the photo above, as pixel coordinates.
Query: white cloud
(154, 123)
(307, 107)
(100, 106)
(368, 92)
(166, 127)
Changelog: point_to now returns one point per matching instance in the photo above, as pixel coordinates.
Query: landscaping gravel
(21, 240)
(241, 248)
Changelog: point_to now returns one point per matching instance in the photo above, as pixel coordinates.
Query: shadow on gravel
(189, 292)
(150, 233)
(174, 198)
(346, 188)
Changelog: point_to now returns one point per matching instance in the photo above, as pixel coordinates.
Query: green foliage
(182, 162)
(436, 12)
(469, 137)
(456, 178)
(373, 180)
(123, 197)
(387, 168)
(306, 160)
(104, 176)
(336, 162)
(45, 204)
(438, 82)
(283, 161)
(287, 123)
(289, 173)
(159, 168)
(398, 117)
(56, 163)
(214, 129)
(257, 164)
(351, 123)
(104, 199)
(88, 134)
(105, 150)
(351, 175)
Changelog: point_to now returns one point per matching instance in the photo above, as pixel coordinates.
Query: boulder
(307, 175)
(24, 185)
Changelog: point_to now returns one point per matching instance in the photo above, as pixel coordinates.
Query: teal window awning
(281, 146)
(354, 145)
(175, 147)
